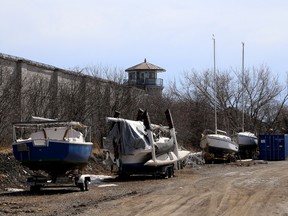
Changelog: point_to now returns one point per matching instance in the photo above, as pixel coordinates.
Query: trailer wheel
(168, 172)
(181, 164)
(81, 186)
(35, 188)
(86, 185)
(123, 176)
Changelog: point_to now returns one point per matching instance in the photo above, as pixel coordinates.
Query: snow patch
(14, 189)
(100, 180)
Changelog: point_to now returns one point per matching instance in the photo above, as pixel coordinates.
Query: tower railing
(146, 82)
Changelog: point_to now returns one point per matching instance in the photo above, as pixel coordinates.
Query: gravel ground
(241, 188)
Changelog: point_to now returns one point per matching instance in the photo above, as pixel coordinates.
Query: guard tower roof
(145, 66)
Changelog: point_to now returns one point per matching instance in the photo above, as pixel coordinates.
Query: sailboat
(217, 145)
(52, 146)
(246, 140)
(139, 147)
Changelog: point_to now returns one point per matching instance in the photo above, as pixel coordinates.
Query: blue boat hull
(55, 157)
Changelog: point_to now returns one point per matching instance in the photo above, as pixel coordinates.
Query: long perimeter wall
(31, 88)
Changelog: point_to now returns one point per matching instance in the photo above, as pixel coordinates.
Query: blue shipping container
(273, 146)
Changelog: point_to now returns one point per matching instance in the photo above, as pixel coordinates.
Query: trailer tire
(169, 172)
(123, 176)
(172, 172)
(35, 188)
(81, 186)
(86, 185)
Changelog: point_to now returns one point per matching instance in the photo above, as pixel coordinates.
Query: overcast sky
(175, 35)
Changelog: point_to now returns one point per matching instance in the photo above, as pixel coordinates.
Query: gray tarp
(130, 135)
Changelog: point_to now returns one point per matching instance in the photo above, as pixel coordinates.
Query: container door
(278, 147)
(265, 147)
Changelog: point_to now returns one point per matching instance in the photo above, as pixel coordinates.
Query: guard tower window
(132, 76)
(152, 75)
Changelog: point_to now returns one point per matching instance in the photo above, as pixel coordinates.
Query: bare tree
(191, 110)
(106, 94)
(35, 97)
(9, 97)
(261, 92)
(262, 98)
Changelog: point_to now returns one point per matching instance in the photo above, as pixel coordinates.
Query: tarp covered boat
(137, 145)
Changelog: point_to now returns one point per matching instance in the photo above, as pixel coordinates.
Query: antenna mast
(242, 86)
(215, 86)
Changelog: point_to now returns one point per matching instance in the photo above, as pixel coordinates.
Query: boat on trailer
(218, 146)
(141, 147)
(59, 148)
(248, 144)
(246, 139)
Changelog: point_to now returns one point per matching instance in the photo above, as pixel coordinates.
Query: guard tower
(144, 76)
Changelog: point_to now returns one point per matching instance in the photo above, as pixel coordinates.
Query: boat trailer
(211, 158)
(36, 182)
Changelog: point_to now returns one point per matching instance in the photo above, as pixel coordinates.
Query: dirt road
(217, 189)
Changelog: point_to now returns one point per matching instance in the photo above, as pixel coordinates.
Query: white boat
(246, 139)
(218, 147)
(139, 146)
(248, 143)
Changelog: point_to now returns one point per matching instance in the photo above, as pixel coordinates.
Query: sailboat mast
(215, 90)
(242, 86)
